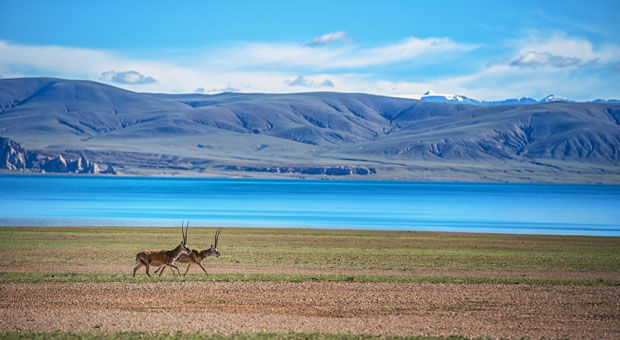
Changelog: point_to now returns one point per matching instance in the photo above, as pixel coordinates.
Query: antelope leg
(137, 267)
(203, 268)
(177, 268)
(186, 270)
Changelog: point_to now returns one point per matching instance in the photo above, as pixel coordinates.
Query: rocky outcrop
(76, 166)
(79, 166)
(14, 157)
(83, 166)
(58, 164)
(109, 171)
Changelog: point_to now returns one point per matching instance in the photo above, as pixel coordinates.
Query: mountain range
(431, 96)
(313, 135)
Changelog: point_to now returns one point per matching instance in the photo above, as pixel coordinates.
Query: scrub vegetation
(317, 249)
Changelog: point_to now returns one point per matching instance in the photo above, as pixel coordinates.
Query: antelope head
(213, 250)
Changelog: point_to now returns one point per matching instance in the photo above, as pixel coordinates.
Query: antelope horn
(186, 231)
(217, 235)
(182, 231)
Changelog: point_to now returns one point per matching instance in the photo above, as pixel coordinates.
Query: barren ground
(474, 310)
(449, 272)
(509, 311)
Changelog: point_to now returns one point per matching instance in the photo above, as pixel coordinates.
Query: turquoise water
(465, 207)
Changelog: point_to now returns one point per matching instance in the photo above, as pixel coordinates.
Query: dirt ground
(437, 271)
(493, 310)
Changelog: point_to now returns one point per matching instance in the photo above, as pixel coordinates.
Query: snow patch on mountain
(553, 98)
(431, 96)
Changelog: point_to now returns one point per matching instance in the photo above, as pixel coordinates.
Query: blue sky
(482, 49)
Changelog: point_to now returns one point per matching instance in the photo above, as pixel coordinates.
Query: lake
(463, 207)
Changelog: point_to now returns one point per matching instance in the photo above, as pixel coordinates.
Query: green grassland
(402, 252)
(105, 277)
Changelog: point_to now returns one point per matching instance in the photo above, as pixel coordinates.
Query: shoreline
(352, 178)
(77, 225)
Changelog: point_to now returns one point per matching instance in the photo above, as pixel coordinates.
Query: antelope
(164, 258)
(196, 256)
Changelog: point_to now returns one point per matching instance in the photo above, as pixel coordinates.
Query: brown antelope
(196, 256)
(164, 258)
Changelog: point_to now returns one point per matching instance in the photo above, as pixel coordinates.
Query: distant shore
(604, 179)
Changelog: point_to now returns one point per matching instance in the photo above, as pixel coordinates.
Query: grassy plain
(545, 271)
(317, 249)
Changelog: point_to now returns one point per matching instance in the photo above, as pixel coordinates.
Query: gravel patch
(121, 268)
(493, 310)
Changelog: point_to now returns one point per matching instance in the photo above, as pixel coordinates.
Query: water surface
(466, 207)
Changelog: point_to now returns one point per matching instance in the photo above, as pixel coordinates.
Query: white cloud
(57, 58)
(503, 81)
(558, 44)
(304, 82)
(534, 67)
(328, 57)
(228, 88)
(127, 77)
(535, 59)
(560, 51)
(240, 68)
(70, 62)
(407, 49)
(326, 83)
(538, 65)
(328, 38)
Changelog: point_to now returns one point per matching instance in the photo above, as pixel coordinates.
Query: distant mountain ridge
(318, 134)
(431, 96)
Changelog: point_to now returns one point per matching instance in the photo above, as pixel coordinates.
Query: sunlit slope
(320, 128)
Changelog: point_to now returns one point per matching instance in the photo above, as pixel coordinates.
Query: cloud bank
(127, 78)
(291, 55)
(302, 81)
(535, 65)
(535, 59)
(558, 51)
